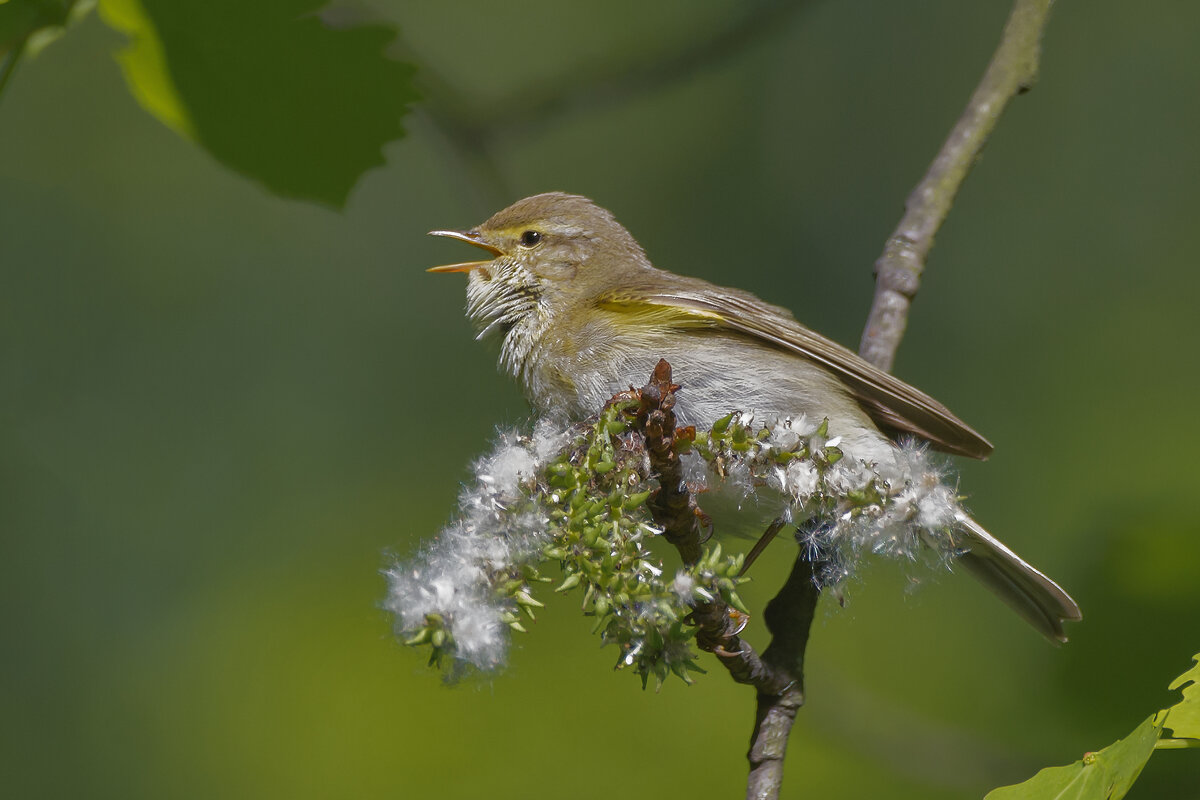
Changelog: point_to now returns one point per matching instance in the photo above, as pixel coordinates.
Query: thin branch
(685, 526)
(898, 273)
(601, 85)
(672, 505)
(473, 132)
(1013, 70)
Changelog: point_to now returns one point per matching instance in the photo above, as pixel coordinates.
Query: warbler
(583, 315)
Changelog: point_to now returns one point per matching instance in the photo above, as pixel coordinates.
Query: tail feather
(1040, 601)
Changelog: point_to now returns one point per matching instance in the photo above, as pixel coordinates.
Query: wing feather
(892, 404)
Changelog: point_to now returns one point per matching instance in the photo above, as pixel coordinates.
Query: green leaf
(1106, 775)
(1183, 718)
(33, 24)
(267, 87)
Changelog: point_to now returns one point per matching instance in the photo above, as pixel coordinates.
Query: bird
(582, 314)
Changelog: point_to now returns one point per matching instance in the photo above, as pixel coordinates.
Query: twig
(606, 84)
(1012, 70)
(685, 526)
(672, 505)
(898, 273)
(473, 133)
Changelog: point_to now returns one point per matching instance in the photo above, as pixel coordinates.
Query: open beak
(470, 237)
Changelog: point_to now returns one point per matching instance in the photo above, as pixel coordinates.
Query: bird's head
(549, 252)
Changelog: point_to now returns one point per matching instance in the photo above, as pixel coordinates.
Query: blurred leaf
(36, 23)
(1106, 775)
(267, 87)
(1183, 718)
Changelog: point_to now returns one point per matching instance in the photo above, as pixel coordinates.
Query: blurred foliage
(27, 26)
(201, 386)
(267, 87)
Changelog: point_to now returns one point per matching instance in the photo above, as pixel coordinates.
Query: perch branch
(685, 526)
(1013, 70)
(672, 505)
(789, 618)
(789, 615)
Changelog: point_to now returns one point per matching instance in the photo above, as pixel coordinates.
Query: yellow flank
(634, 312)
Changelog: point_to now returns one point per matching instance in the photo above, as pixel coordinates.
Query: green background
(219, 410)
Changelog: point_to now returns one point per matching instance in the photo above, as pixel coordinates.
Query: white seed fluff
(453, 576)
(902, 509)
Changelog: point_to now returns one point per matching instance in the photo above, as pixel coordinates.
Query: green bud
(527, 600)
(571, 582)
(720, 425)
(636, 500)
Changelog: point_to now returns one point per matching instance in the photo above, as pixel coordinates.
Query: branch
(672, 505)
(789, 618)
(675, 511)
(1013, 70)
(473, 133)
(789, 615)
(597, 86)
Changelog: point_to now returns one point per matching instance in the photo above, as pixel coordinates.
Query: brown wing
(891, 403)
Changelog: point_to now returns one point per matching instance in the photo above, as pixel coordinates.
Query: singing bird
(583, 314)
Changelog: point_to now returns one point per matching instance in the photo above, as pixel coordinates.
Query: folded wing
(895, 406)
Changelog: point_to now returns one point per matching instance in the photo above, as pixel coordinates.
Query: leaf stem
(1176, 744)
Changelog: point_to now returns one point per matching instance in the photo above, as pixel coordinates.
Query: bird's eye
(530, 238)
